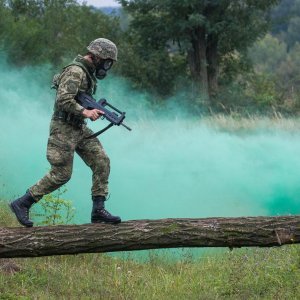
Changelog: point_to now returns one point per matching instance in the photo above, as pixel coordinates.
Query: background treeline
(231, 56)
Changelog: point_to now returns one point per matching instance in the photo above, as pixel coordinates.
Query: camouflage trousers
(63, 141)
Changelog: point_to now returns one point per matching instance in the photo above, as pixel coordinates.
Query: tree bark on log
(149, 234)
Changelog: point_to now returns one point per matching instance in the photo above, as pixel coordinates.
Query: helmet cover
(104, 49)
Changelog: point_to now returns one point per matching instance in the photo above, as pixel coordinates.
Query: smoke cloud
(168, 166)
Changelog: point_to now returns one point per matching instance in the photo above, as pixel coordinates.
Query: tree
(206, 31)
(267, 54)
(292, 35)
(289, 71)
(286, 21)
(150, 68)
(51, 31)
(5, 20)
(281, 15)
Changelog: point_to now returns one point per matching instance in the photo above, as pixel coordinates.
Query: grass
(240, 274)
(258, 273)
(236, 123)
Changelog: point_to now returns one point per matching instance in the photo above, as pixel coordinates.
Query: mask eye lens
(107, 64)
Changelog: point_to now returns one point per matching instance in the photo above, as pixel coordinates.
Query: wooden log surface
(149, 234)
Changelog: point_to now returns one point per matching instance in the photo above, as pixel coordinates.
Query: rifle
(114, 116)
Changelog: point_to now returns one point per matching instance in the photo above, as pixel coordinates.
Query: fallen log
(149, 234)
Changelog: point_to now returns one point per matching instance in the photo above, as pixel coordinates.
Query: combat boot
(20, 207)
(100, 214)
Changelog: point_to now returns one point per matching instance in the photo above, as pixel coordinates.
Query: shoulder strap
(91, 78)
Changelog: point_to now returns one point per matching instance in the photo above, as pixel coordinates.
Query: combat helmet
(103, 48)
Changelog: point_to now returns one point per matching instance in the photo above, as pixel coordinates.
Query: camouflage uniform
(66, 138)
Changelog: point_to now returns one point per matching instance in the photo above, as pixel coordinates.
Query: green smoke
(168, 166)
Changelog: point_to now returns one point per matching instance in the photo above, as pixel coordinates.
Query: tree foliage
(219, 48)
(150, 68)
(204, 31)
(36, 31)
(289, 71)
(276, 62)
(286, 21)
(268, 54)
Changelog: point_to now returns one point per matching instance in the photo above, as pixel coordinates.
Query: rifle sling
(100, 131)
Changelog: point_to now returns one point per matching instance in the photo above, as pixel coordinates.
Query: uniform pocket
(59, 153)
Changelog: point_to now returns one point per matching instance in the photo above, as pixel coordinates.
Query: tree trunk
(197, 61)
(213, 66)
(149, 234)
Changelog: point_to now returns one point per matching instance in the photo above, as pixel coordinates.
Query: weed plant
(54, 209)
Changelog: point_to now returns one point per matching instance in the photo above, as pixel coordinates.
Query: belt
(69, 118)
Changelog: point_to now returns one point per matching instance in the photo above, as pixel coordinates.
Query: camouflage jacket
(77, 76)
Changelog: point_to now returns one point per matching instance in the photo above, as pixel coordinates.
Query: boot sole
(13, 210)
(104, 222)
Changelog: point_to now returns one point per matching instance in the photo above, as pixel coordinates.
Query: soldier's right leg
(60, 153)
(49, 183)
(57, 176)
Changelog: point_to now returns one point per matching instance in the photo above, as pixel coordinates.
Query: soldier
(68, 132)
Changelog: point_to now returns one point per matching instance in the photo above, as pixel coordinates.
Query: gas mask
(102, 67)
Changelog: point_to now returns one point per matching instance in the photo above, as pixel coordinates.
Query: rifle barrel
(126, 126)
